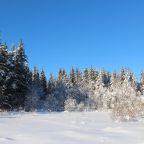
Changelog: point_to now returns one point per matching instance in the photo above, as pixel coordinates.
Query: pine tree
(86, 76)
(78, 77)
(105, 78)
(72, 78)
(12, 78)
(122, 75)
(100, 90)
(38, 90)
(142, 83)
(92, 74)
(35, 76)
(21, 71)
(43, 82)
(60, 75)
(108, 79)
(31, 96)
(3, 76)
(51, 101)
(133, 81)
(114, 79)
(65, 79)
(56, 95)
(51, 84)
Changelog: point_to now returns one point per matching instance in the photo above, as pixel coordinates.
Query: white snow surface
(68, 128)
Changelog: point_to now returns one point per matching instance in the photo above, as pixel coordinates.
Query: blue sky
(76, 33)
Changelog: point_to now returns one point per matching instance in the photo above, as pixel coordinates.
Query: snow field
(68, 128)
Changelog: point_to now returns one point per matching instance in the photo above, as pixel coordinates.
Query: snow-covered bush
(125, 103)
(70, 104)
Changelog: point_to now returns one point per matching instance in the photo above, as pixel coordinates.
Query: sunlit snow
(68, 128)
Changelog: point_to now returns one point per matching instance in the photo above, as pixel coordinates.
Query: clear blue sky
(76, 33)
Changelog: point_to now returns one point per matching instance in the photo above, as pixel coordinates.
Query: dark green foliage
(86, 76)
(43, 83)
(21, 73)
(72, 77)
(4, 69)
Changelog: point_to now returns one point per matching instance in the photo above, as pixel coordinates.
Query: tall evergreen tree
(72, 77)
(86, 76)
(78, 77)
(122, 75)
(92, 74)
(60, 74)
(142, 83)
(43, 82)
(3, 75)
(21, 75)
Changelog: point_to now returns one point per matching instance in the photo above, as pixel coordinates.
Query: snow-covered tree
(60, 74)
(78, 77)
(3, 76)
(70, 105)
(142, 83)
(122, 75)
(31, 102)
(86, 76)
(72, 78)
(43, 83)
(21, 71)
(125, 102)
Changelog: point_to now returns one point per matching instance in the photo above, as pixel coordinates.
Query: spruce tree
(31, 98)
(3, 75)
(92, 74)
(39, 93)
(60, 74)
(78, 77)
(43, 82)
(72, 77)
(122, 75)
(86, 76)
(21, 76)
(142, 83)
(51, 84)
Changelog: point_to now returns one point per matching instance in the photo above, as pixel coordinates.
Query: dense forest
(24, 89)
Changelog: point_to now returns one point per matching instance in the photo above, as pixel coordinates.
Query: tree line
(24, 89)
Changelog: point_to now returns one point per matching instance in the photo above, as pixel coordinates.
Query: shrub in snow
(70, 104)
(125, 103)
(80, 107)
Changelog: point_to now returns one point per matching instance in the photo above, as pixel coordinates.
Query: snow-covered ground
(68, 128)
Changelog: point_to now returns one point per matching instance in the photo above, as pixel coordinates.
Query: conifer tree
(86, 76)
(132, 81)
(51, 84)
(21, 75)
(43, 82)
(108, 79)
(72, 77)
(105, 78)
(3, 75)
(142, 83)
(37, 85)
(60, 75)
(92, 74)
(65, 79)
(31, 96)
(122, 75)
(78, 77)
(114, 79)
